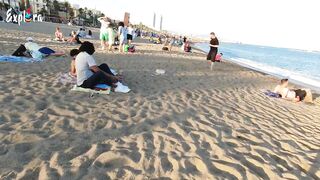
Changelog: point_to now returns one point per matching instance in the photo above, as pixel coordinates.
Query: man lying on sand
(33, 49)
(295, 95)
(87, 71)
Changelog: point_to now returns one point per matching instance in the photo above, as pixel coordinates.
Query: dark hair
(221, 54)
(74, 52)
(212, 33)
(121, 24)
(283, 81)
(87, 47)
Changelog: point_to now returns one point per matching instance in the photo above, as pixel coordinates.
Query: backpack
(131, 49)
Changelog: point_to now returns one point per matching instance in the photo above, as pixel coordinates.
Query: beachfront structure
(12, 3)
(37, 5)
(161, 23)
(154, 20)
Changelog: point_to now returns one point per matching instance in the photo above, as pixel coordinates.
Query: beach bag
(20, 51)
(126, 48)
(131, 49)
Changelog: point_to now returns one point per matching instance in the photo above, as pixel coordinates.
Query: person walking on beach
(122, 34)
(105, 22)
(130, 34)
(111, 37)
(214, 44)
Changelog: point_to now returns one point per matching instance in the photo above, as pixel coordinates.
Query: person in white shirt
(122, 34)
(295, 95)
(105, 23)
(37, 52)
(88, 73)
(130, 34)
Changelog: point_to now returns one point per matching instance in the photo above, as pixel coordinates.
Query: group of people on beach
(123, 34)
(74, 36)
(89, 74)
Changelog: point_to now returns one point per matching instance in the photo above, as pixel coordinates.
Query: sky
(279, 23)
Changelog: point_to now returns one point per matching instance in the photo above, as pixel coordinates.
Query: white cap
(29, 39)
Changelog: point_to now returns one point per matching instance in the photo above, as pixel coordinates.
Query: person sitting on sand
(74, 38)
(58, 35)
(37, 52)
(295, 95)
(88, 73)
(166, 44)
(73, 54)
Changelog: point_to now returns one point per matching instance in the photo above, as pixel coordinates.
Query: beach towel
(17, 59)
(100, 89)
(271, 94)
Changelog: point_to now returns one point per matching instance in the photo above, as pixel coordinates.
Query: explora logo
(24, 16)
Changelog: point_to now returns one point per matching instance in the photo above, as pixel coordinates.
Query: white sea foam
(279, 72)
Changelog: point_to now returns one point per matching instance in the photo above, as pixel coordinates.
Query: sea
(299, 66)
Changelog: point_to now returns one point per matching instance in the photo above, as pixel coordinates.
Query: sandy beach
(190, 123)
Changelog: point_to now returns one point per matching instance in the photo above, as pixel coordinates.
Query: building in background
(126, 20)
(13, 3)
(37, 5)
(161, 23)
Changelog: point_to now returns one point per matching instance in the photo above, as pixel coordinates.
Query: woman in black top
(214, 44)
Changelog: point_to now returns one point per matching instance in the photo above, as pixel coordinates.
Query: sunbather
(74, 38)
(58, 35)
(295, 95)
(34, 47)
(88, 73)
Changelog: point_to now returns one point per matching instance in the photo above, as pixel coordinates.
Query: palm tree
(90, 14)
(71, 13)
(49, 6)
(22, 5)
(80, 15)
(56, 7)
(67, 8)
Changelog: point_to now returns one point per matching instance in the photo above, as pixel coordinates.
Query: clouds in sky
(285, 23)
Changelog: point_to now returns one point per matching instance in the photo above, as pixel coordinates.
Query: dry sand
(190, 123)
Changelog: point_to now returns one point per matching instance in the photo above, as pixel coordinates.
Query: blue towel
(102, 86)
(272, 94)
(17, 59)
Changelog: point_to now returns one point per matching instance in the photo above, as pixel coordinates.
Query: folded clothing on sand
(46, 51)
(272, 94)
(17, 59)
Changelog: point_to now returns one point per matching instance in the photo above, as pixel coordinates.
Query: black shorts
(301, 94)
(129, 36)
